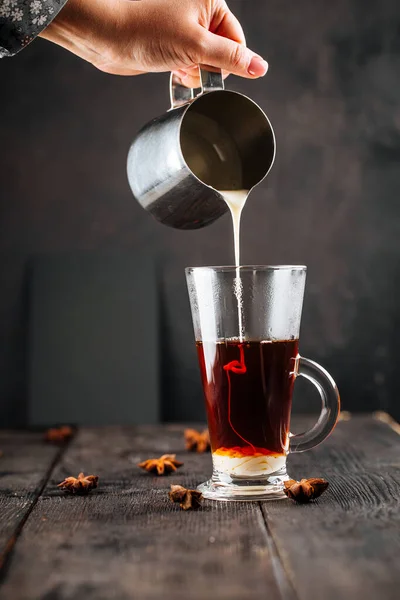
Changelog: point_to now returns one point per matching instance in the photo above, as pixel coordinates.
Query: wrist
(84, 27)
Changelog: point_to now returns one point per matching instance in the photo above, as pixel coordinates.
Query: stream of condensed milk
(236, 199)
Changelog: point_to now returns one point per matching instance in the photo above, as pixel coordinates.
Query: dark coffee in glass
(246, 323)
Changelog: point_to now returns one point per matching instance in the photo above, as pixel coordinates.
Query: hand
(130, 37)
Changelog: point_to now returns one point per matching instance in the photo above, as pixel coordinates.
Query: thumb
(222, 53)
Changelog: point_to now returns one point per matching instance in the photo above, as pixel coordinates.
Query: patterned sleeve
(22, 20)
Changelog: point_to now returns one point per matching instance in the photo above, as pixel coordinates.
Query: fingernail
(258, 66)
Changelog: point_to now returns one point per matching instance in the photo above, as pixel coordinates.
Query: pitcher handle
(211, 80)
(181, 95)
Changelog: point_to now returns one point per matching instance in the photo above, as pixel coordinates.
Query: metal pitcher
(211, 139)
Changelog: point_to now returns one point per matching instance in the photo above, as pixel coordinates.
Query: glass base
(223, 487)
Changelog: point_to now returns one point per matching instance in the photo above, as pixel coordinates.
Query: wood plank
(25, 465)
(127, 540)
(347, 544)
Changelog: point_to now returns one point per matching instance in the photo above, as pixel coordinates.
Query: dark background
(330, 201)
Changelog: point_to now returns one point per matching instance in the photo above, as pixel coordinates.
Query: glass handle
(330, 406)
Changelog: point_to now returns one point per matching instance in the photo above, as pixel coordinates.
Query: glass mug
(246, 324)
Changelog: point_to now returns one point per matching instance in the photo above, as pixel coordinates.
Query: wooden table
(127, 540)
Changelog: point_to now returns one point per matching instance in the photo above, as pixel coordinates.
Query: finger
(194, 72)
(226, 54)
(192, 80)
(230, 28)
(189, 72)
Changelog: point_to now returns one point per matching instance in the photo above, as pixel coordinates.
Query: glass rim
(247, 268)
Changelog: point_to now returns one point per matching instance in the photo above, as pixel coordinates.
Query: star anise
(305, 490)
(162, 466)
(187, 498)
(58, 435)
(197, 441)
(79, 485)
